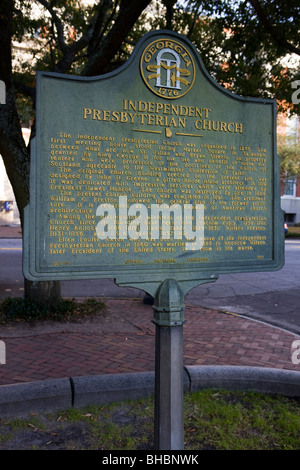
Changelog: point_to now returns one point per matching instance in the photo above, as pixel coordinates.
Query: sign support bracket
(168, 317)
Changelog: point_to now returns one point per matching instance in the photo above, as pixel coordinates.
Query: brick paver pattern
(210, 338)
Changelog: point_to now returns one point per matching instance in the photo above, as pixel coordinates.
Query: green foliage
(214, 420)
(238, 50)
(289, 159)
(236, 47)
(293, 232)
(242, 421)
(16, 309)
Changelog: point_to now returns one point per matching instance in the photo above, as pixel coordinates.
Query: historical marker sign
(151, 172)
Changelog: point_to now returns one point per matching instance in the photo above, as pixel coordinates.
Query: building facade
(290, 199)
(289, 128)
(9, 214)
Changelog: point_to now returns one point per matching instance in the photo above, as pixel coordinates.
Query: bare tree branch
(128, 14)
(91, 38)
(101, 48)
(271, 29)
(195, 16)
(58, 24)
(102, 17)
(169, 4)
(69, 50)
(12, 146)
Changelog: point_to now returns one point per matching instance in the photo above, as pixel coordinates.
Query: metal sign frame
(173, 114)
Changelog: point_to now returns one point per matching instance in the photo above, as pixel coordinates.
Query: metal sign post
(169, 319)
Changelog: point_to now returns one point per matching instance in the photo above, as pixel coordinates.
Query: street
(271, 297)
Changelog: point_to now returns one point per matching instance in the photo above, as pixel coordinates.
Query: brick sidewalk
(128, 345)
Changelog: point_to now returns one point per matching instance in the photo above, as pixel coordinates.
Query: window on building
(290, 218)
(290, 186)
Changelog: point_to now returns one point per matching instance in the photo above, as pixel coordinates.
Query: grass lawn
(293, 232)
(214, 420)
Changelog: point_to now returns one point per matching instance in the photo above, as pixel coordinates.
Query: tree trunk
(129, 12)
(15, 154)
(14, 151)
(43, 292)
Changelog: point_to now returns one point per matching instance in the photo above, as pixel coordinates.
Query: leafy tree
(242, 44)
(72, 39)
(289, 153)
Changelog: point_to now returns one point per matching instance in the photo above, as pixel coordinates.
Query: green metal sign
(152, 172)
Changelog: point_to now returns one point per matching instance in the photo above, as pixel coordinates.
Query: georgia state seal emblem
(167, 68)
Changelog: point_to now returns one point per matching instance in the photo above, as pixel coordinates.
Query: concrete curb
(44, 395)
(257, 379)
(59, 394)
(97, 389)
